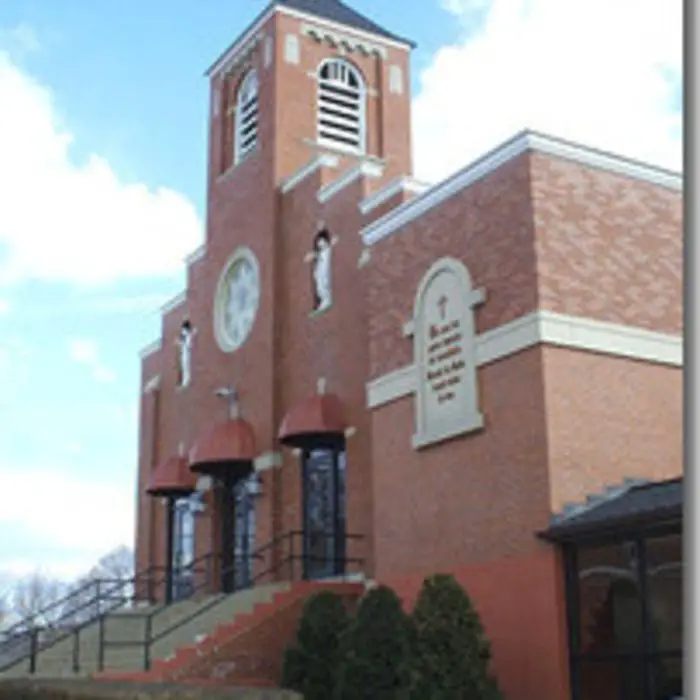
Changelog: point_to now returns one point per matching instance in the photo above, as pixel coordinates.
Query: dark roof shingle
(337, 11)
(643, 504)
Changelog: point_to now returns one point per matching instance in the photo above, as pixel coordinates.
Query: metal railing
(269, 565)
(278, 560)
(68, 616)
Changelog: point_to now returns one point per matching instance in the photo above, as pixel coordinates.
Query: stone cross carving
(185, 340)
(442, 305)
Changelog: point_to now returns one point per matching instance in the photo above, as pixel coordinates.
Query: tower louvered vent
(341, 102)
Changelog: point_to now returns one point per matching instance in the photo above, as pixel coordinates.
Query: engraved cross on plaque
(442, 305)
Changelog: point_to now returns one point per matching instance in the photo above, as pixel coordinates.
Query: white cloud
(89, 227)
(603, 73)
(76, 519)
(86, 352)
(4, 307)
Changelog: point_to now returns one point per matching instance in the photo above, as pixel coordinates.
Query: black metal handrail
(258, 554)
(64, 625)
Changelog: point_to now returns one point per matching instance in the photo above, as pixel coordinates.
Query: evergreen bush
(452, 654)
(310, 666)
(376, 650)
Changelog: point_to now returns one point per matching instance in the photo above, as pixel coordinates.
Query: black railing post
(76, 649)
(101, 645)
(33, 648)
(147, 644)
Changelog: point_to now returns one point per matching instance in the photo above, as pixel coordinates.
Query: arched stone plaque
(447, 397)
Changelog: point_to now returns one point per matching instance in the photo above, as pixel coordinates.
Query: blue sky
(102, 163)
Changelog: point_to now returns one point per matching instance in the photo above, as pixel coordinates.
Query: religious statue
(187, 333)
(322, 270)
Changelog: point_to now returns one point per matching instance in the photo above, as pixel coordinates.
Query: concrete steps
(125, 633)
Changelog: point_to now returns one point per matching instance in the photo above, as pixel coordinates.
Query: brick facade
(539, 233)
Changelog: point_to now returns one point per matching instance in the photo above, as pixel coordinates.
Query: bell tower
(307, 78)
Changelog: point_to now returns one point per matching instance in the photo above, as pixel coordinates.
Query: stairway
(244, 649)
(125, 632)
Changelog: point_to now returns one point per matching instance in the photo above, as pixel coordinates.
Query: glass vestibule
(324, 521)
(625, 609)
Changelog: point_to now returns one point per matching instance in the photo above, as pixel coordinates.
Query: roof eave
(560, 533)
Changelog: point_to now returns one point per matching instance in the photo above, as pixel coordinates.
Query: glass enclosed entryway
(625, 605)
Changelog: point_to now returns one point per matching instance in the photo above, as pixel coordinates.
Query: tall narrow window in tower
(247, 116)
(341, 106)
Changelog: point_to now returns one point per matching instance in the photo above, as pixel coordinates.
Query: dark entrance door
(183, 547)
(323, 476)
(237, 532)
(244, 530)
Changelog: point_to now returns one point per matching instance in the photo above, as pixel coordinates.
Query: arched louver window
(247, 116)
(341, 106)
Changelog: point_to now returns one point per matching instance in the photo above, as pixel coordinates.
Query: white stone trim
(230, 55)
(611, 338)
(369, 170)
(204, 483)
(196, 255)
(549, 328)
(342, 40)
(150, 349)
(345, 152)
(268, 460)
(171, 305)
(491, 161)
(153, 384)
(391, 189)
(236, 53)
(391, 386)
(324, 160)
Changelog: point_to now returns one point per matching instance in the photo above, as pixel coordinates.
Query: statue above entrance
(321, 256)
(185, 340)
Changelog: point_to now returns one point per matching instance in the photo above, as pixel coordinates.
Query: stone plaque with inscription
(443, 330)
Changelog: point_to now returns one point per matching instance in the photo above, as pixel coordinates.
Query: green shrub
(376, 650)
(452, 654)
(310, 666)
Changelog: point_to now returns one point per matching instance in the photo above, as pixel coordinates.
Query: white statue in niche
(322, 270)
(187, 334)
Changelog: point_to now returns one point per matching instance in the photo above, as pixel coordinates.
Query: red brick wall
(332, 345)
(489, 227)
(388, 115)
(608, 247)
(244, 209)
(609, 418)
(146, 535)
(521, 604)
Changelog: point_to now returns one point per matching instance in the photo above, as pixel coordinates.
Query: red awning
(228, 446)
(318, 421)
(172, 478)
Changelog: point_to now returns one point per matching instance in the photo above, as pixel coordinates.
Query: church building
(375, 379)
